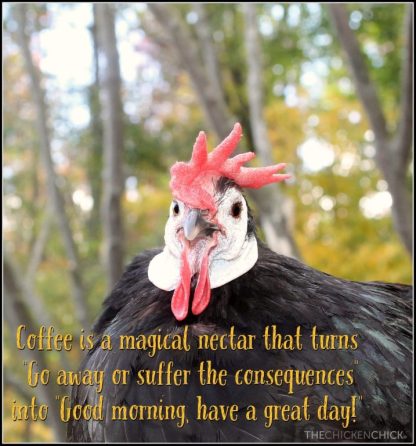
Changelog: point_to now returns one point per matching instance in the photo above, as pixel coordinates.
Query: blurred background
(99, 100)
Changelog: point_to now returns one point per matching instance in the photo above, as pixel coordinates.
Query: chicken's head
(208, 241)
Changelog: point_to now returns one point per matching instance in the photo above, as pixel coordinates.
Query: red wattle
(203, 289)
(180, 298)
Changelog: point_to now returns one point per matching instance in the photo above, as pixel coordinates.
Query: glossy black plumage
(277, 290)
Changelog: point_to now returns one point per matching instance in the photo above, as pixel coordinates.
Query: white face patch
(234, 254)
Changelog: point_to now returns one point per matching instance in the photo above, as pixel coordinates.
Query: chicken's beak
(195, 225)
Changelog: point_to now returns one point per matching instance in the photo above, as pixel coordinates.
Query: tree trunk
(213, 104)
(112, 117)
(392, 151)
(95, 161)
(17, 314)
(221, 120)
(208, 51)
(282, 241)
(38, 250)
(55, 199)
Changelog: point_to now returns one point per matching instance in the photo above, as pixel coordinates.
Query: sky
(67, 54)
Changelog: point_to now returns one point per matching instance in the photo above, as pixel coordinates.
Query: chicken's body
(213, 274)
(277, 291)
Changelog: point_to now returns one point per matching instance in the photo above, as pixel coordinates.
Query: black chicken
(214, 274)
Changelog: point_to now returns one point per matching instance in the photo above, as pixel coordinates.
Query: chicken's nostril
(209, 232)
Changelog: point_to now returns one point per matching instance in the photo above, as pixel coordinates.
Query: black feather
(277, 290)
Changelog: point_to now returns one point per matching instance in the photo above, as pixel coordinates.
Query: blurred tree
(16, 314)
(211, 100)
(392, 151)
(56, 201)
(94, 164)
(36, 257)
(112, 112)
(273, 222)
(209, 55)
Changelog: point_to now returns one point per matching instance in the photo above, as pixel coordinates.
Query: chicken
(214, 274)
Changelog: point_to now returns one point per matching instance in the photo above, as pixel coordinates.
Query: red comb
(188, 179)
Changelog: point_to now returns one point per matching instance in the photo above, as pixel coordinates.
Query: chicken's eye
(175, 208)
(236, 209)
